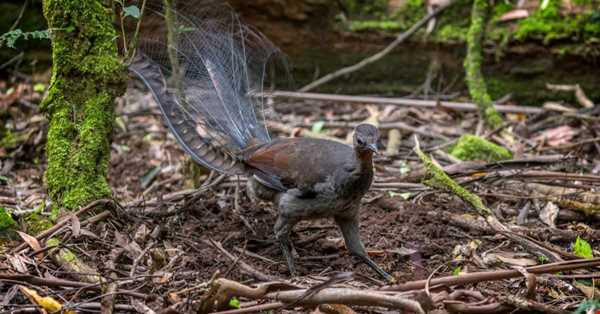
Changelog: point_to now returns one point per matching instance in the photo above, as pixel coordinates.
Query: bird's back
(303, 163)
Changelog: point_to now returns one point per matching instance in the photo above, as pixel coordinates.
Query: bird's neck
(360, 178)
(365, 160)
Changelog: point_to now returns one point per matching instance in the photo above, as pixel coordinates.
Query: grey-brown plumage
(203, 82)
(314, 178)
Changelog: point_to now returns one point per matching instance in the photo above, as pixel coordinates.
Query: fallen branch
(459, 106)
(348, 297)
(56, 282)
(582, 99)
(399, 39)
(476, 277)
(223, 290)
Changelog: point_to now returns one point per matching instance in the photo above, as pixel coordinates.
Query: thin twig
(399, 39)
(63, 222)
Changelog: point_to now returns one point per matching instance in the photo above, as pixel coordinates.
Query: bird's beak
(373, 148)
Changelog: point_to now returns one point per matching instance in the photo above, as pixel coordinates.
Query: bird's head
(365, 138)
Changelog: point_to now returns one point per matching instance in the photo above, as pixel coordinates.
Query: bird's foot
(387, 277)
(289, 257)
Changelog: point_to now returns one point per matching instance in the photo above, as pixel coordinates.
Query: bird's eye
(360, 141)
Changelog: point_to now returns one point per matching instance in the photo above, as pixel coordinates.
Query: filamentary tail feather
(202, 67)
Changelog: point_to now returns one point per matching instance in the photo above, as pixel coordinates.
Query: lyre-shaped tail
(203, 66)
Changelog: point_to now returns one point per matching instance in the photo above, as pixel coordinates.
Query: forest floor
(160, 245)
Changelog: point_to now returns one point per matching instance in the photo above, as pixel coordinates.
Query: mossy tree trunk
(473, 60)
(87, 75)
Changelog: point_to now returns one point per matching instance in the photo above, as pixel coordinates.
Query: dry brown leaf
(33, 243)
(18, 263)
(141, 234)
(548, 214)
(75, 226)
(89, 234)
(557, 136)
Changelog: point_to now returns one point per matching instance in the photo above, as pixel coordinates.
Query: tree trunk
(475, 80)
(87, 75)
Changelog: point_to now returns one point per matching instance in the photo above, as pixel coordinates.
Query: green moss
(451, 33)
(473, 62)
(87, 75)
(439, 179)
(358, 26)
(549, 26)
(64, 255)
(471, 147)
(6, 220)
(8, 140)
(53, 242)
(35, 223)
(411, 12)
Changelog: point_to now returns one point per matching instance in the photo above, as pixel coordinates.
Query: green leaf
(544, 4)
(456, 271)
(582, 248)
(39, 87)
(6, 220)
(149, 176)
(234, 303)
(318, 126)
(404, 168)
(404, 196)
(132, 11)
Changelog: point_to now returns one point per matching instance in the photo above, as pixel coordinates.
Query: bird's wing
(298, 163)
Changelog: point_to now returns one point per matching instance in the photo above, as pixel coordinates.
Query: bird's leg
(351, 233)
(283, 228)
